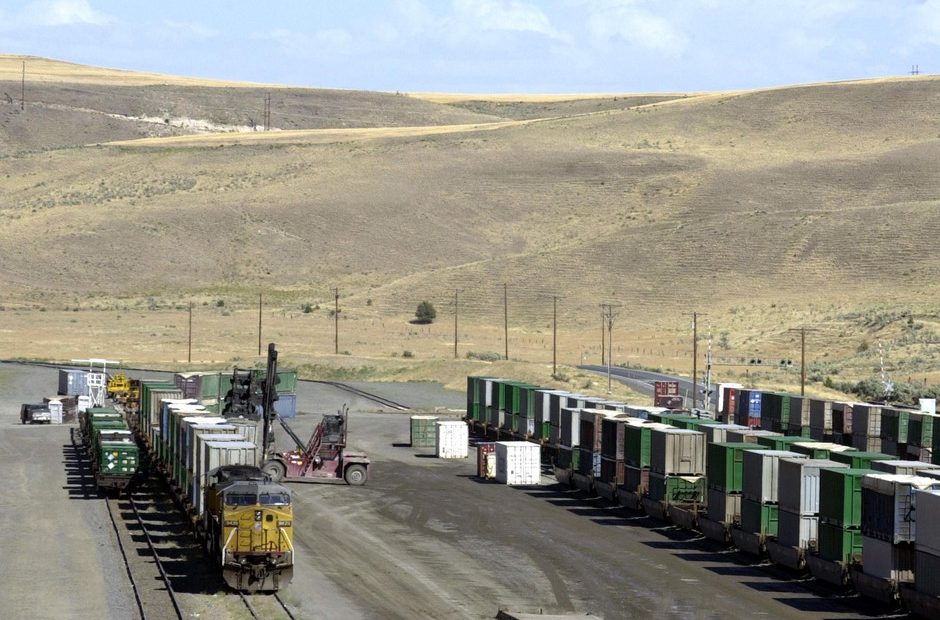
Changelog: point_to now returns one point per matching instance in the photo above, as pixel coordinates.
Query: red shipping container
(486, 460)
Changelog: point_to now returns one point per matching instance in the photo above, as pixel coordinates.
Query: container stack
(799, 503)
(750, 435)
(775, 412)
(724, 471)
(612, 463)
(920, 436)
(820, 449)
(798, 423)
(889, 527)
(856, 459)
(568, 440)
(637, 439)
(842, 423)
(840, 514)
(759, 493)
(728, 395)
(904, 468)
(927, 544)
(820, 420)
(718, 432)
(590, 435)
(677, 466)
(452, 439)
(894, 425)
(754, 408)
(423, 431)
(866, 427)
(517, 463)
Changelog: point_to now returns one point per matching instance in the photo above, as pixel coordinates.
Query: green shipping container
(860, 460)
(677, 489)
(636, 445)
(920, 430)
(423, 431)
(840, 496)
(837, 544)
(759, 518)
(779, 442)
(894, 424)
(118, 458)
(813, 451)
(724, 465)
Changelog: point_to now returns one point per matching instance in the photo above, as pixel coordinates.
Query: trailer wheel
(355, 475)
(275, 470)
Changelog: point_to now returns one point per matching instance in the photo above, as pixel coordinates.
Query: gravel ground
(423, 539)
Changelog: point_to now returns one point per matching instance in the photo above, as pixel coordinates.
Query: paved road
(643, 380)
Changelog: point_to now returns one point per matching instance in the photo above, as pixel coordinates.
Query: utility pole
(259, 323)
(802, 331)
(189, 355)
(554, 334)
(695, 316)
(455, 323)
(708, 372)
(506, 318)
(915, 69)
(23, 89)
(267, 112)
(336, 322)
(608, 314)
(603, 338)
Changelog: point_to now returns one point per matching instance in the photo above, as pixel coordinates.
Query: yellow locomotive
(248, 523)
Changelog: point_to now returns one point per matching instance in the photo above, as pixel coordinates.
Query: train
(210, 456)
(812, 485)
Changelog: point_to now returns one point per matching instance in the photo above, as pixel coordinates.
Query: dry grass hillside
(767, 210)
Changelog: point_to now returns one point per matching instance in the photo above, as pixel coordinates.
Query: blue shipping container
(286, 405)
(754, 404)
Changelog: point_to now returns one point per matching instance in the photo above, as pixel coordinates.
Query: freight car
(815, 484)
(111, 448)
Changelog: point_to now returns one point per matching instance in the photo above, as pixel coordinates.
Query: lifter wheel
(355, 475)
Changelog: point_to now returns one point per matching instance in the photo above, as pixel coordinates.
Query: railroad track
(259, 615)
(367, 395)
(147, 607)
(141, 605)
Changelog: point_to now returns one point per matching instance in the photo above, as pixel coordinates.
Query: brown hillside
(765, 209)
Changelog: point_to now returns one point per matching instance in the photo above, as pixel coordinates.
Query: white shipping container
(748, 435)
(452, 439)
(724, 507)
(518, 462)
(55, 411)
(677, 452)
(84, 402)
(717, 433)
(928, 511)
(886, 561)
(760, 473)
(901, 489)
(820, 417)
(907, 468)
(190, 472)
(867, 443)
(866, 420)
(798, 484)
(204, 429)
(797, 530)
(217, 454)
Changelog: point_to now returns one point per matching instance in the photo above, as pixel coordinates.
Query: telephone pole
(554, 334)
(802, 331)
(189, 355)
(506, 318)
(695, 316)
(455, 323)
(23, 89)
(609, 312)
(267, 112)
(260, 295)
(336, 322)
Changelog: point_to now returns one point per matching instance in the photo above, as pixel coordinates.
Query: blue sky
(485, 46)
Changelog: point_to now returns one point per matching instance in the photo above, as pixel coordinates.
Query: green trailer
(759, 517)
(724, 465)
(840, 496)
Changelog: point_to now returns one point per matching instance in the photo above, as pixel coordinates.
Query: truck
(35, 414)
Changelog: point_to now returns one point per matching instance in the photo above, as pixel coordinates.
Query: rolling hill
(770, 209)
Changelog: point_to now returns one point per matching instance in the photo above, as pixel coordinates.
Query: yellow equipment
(118, 387)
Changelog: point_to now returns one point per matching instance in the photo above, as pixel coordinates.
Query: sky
(488, 46)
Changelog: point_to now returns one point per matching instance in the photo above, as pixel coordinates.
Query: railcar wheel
(355, 475)
(275, 470)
